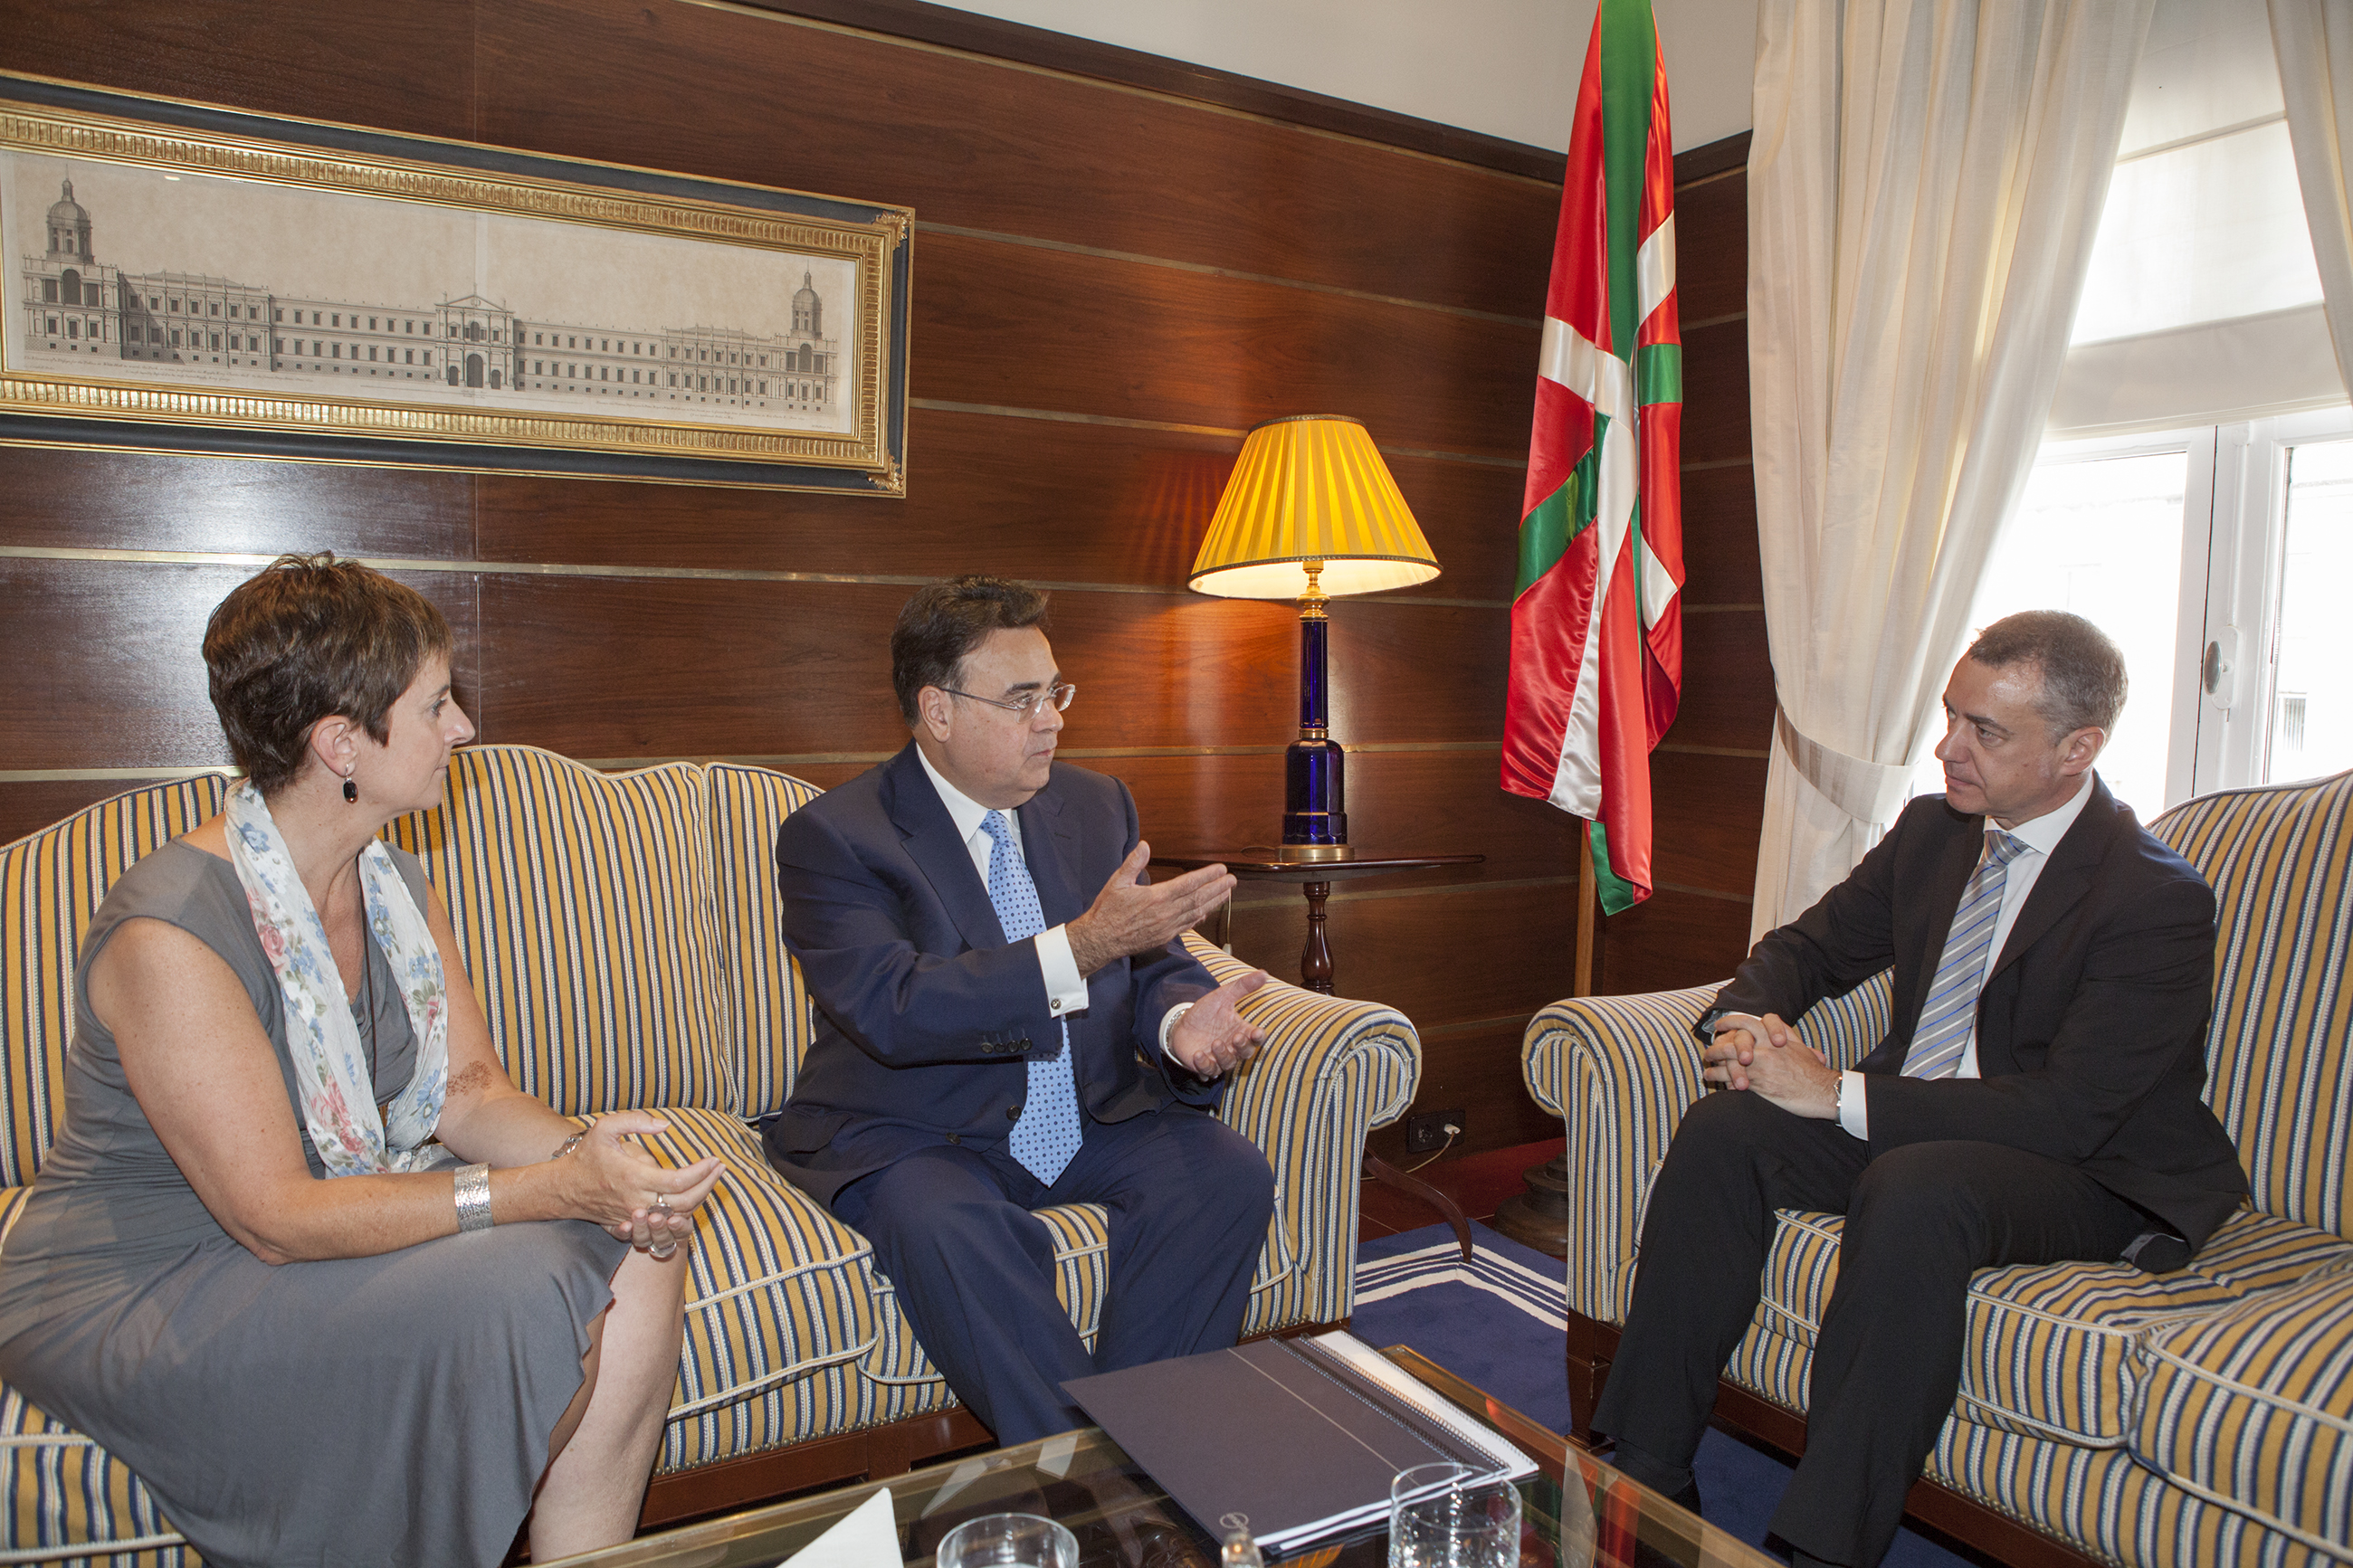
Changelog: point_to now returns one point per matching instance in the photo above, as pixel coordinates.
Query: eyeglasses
(1060, 696)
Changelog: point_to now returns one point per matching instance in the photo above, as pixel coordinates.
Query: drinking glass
(1009, 1540)
(1451, 1516)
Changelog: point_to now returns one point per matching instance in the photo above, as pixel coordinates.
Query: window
(277, 345)
(175, 336)
(337, 322)
(216, 307)
(371, 324)
(370, 351)
(73, 327)
(338, 350)
(276, 314)
(412, 357)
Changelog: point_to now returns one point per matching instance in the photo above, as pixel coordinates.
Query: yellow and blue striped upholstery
(51, 883)
(769, 1007)
(582, 903)
(1330, 1068)
(2253, 1407)
(2110, 1506)
(2280, 1047)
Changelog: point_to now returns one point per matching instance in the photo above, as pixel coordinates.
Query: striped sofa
(621, 932)
(2203, 1416)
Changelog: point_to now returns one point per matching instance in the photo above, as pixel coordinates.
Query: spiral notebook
(1301, 1437)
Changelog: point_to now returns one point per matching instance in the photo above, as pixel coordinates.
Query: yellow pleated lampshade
(1311, 486)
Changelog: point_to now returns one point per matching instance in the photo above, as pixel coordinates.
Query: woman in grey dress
(301, 1256)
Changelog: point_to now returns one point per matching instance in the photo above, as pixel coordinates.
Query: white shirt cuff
(1851, 1114)
(1066, 988)
(1168, 1028)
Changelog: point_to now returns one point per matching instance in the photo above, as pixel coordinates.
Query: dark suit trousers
(1887, 1361)
(1188, 1200)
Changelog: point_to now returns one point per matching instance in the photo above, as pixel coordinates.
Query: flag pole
(1589, 910)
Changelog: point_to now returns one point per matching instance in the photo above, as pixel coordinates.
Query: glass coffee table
(1579, 1512)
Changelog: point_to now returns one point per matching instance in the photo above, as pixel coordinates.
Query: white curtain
(1924, 186)
(2315, 42)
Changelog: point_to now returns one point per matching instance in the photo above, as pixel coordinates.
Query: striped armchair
(2172, 1420)
(620, 931)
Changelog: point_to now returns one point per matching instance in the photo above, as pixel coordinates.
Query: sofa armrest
(1621, 1071)
(1331, 1070)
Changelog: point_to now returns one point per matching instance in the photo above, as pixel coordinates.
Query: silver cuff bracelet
(474, 1197)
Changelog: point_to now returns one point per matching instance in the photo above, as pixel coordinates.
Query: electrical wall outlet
(1428, 1133)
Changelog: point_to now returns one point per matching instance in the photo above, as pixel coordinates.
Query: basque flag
(1597, 618)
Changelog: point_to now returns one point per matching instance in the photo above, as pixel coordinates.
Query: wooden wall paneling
(1715, 392)
(1673, 940)
(59, 498)
(1711, 246)
(957, 29)
(1013, 326)
(104, 660)
(1720, 560)
(1403, 803)
(1728, 696)
(27, 805)
(1470, 514)
(1410, 672)
(1706, 814)
(985, 145)
(1438, 957)
(407, 66)
(1050, 500)
(1474, 1070)
(619, 667)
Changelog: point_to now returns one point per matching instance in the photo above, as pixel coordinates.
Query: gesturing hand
(1132, 915)
(1213, 1035)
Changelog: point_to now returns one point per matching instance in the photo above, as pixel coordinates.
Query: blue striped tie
(1952, 1009)
(1047, 1135)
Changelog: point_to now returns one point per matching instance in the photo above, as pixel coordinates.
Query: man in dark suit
(989, 1042)
(2037, 1097)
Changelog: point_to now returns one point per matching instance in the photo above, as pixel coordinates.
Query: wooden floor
(1477, 1182)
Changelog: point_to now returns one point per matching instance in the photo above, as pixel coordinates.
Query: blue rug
(1498, 1322)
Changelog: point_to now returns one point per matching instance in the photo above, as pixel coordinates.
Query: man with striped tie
(991, 1042)
(2036, 1096)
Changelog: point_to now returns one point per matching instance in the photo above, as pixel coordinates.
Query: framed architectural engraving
(187, 279)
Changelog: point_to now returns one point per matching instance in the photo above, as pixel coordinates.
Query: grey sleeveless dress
(392, 1409)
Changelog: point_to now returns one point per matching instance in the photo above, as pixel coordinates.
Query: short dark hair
(2083, 670)
(942, 622)
(307, 636)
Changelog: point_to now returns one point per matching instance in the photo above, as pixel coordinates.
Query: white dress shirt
(2041, 835)
(1066, 988)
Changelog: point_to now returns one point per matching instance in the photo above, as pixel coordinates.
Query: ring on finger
(663, 1253)
(661, 1203)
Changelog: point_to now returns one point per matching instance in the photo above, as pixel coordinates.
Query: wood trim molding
(948, 28)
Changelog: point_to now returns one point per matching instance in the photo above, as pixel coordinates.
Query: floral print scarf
(336, 1090)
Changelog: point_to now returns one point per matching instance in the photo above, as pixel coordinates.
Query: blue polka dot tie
(1950, 1012)
(1046, 1136)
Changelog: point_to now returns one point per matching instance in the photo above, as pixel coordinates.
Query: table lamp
(1311, 511)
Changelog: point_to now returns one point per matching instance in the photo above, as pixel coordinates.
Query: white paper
(866, 1537)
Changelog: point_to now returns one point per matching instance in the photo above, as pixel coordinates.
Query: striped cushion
(2253, 1407)
(581, 902)
(769, 1007)
(2053, 1350)
(62, 1493)
(2280, 1069)
(2111, 1507)
(51, 883)
(1330, 1069)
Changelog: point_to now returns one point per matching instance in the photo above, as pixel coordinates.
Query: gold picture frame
(185, 278)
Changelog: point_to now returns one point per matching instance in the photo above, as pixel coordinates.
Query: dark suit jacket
(2092, 1025)
(925, 1015)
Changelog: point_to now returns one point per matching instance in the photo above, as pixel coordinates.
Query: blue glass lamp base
(1314, 818)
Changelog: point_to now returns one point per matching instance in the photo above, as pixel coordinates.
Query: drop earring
(351, 791)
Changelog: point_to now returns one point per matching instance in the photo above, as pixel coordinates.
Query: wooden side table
(1314, 878)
